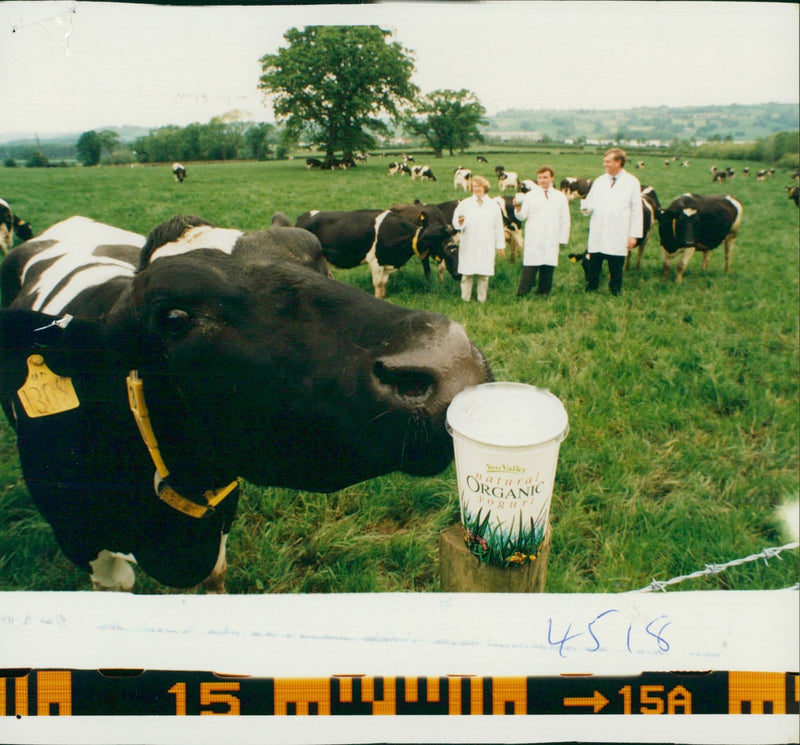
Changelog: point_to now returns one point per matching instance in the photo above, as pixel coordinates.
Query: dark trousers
(615, 266)
(528, 277)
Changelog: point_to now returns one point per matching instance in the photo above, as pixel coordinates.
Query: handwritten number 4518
(596, 630)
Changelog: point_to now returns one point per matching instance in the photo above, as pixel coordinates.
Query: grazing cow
(731, 172)
(206, 355)
(745, 171)
(695, 222)
(666, 164)
(400, 168)
(313, 163)
(481, 159)
(640, 164)
(462, 177)
(761, 175)
(506, 179)
(11, 226)
(179, 172)
(380, 238)
(720, 176)
(685, 164)
(422, 173)
(650, 209)
(793, 194)
(573, 188)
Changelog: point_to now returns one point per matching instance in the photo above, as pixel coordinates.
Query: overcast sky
(72, 66)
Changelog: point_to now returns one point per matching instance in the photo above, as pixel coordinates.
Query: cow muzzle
(423, 379)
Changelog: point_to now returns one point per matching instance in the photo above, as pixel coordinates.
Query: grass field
(683, 399)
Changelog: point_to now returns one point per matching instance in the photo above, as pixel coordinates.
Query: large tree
(333, 84)
(447, 119)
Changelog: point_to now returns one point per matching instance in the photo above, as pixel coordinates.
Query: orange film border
(58, 692)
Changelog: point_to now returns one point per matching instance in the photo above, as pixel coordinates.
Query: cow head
(256, 364)
(678, 224)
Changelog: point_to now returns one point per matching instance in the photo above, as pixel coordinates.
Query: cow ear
(70, 346)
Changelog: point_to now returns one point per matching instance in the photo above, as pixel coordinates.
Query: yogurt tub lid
(507, 415)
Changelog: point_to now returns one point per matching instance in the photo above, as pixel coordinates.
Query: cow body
(506, 179)
(573, 188)
(380, 238)
(244, 359)
(179, 172)
(400, 168)
(695, 222)
(650, 208)
(11, 226)
(462, 177)
(423, 173)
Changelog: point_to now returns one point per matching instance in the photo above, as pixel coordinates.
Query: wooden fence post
(461, 571)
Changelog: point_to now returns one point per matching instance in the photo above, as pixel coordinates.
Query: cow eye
(175, 321)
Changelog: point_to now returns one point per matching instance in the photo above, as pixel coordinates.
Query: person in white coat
(615, 205)
(545, 212)
(481, 224)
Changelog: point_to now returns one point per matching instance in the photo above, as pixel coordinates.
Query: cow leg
(729, 240)
(667, 263)
(215, 582)
(639, 257)
(380, 274)
(706, 255)
(686, 255)
(111, 571)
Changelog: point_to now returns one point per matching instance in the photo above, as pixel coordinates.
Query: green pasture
(683, 399)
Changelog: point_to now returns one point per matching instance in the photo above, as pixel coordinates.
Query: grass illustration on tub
(497, 543)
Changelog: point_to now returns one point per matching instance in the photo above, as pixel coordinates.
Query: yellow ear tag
(45, 393)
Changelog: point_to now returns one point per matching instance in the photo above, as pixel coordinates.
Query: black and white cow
(423, 173)
(313, 163)
(400, 168)
(12, 227)
(575, 188)
(650, 208)
(380, 238)
(696, 222)
(206, 354)
(462, 177)
(506, 179)
(179, 172)
(793, 194)
(512, 227)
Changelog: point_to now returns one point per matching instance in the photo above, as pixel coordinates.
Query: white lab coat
(481, 235)
(546, 218)
(616, 213)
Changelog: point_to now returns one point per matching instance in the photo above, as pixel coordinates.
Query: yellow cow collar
(164, 491)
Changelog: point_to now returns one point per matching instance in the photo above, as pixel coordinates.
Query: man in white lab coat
(615, 205)
(545, 212)
(481, 224)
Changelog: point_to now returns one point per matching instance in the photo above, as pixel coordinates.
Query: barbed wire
(710, 569)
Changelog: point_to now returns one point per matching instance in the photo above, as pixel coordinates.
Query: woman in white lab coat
(545, 212)
(480, 222)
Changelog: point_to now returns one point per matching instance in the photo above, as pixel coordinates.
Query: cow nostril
(406, 383)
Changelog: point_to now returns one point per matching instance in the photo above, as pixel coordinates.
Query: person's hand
(502, 253)
(460, 220)
(631, 243)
